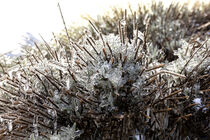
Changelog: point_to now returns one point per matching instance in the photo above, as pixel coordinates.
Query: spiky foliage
(111, 88)
(167, 24)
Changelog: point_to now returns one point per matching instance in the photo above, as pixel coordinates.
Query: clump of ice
(185, 53)
(197, 101)
(199, 105)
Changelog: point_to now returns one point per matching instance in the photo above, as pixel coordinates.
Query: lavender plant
(107, 88)
(168, 24)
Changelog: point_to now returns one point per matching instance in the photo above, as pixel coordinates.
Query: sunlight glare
(42, 16)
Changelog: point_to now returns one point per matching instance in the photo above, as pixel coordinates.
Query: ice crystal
(67, 133)
(10, 126)
(189, 57)
(111, 87)
(197, 101)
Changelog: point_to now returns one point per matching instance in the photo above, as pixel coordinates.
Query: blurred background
(22, 21)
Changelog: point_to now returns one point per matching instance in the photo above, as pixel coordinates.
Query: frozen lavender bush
(168, 25)
(189, 56)
(106, 88)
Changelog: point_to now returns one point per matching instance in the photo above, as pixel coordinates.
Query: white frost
(10, 125)
(197, 101)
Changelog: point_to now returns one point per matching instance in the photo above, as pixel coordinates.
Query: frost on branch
(106, 88)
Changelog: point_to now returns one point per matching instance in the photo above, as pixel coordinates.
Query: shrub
(107, 88)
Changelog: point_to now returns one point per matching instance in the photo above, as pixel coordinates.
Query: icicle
(142, 137)
(10, 127)
(197, 88)
(56, 95)
(1, 119)
(148, 113)
(10, 74)
(19, 75)
(54, 115)
(1, 83)
(68, 83)
(26, 86)
(35, 125)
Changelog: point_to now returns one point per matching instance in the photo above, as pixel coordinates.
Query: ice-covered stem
(109, 88)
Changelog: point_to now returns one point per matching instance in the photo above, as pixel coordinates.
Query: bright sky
(42, 16)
